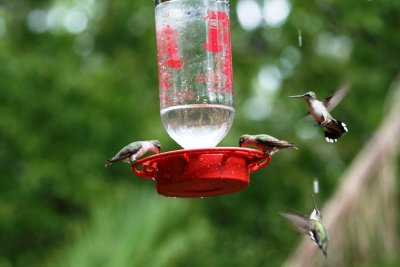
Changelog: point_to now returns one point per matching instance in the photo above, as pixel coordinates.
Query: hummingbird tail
(283, 144)
(108, 163)
(111, 161)
(333, 130)
(293, 146)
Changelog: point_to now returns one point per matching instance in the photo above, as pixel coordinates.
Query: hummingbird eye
(157, 145)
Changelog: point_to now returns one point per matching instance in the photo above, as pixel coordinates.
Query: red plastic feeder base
(201, 172)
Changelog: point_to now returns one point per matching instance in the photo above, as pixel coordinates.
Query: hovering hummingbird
(266, 143)
(135, 150)
(311, 225)
(319, 110)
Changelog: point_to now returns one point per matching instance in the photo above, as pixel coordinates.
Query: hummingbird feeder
(201, 172)
(196, 103)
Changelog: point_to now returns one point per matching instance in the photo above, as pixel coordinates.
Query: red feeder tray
(201, 172)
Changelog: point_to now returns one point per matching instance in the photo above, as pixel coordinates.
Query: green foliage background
(69, 101)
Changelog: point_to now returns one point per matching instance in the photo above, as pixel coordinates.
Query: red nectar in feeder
(195, 70)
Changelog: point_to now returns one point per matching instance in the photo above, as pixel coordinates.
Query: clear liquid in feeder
(195, 70)
(196, 103)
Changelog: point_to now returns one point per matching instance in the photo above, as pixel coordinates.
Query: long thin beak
(296, 96)
(313, 200)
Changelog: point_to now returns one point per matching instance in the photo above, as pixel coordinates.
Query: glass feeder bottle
(195, 70)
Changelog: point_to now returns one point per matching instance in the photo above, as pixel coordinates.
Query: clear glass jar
(195, 70)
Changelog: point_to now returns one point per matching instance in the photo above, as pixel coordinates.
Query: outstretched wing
(331, 101)
(300, 222)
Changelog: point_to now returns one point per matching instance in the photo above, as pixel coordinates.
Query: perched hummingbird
(311, 225)
(266, 143)
(319, 110)
(135, 150)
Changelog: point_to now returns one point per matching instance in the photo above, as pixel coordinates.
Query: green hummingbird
(319, 110)
(134, 151)
(311, 225)
(266, 143)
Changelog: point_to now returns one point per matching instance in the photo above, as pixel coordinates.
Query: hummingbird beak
(315, 204)
(296, 96)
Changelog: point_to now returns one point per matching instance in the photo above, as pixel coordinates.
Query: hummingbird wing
(300, 222)
(273, 142)
(124, 153)
(333, 100)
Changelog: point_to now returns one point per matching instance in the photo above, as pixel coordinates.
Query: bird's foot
(325, 123)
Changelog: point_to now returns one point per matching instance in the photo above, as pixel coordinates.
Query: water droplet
(316, 186)
(300, 38)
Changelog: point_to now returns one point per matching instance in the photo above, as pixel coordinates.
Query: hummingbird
(135, 150)
(319, 110)
(266, 143)
(311, 225)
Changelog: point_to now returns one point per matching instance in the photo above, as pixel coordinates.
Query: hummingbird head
(310, 96)
(243, 139)
(157, 145)
(316, 214)
(307, 96)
